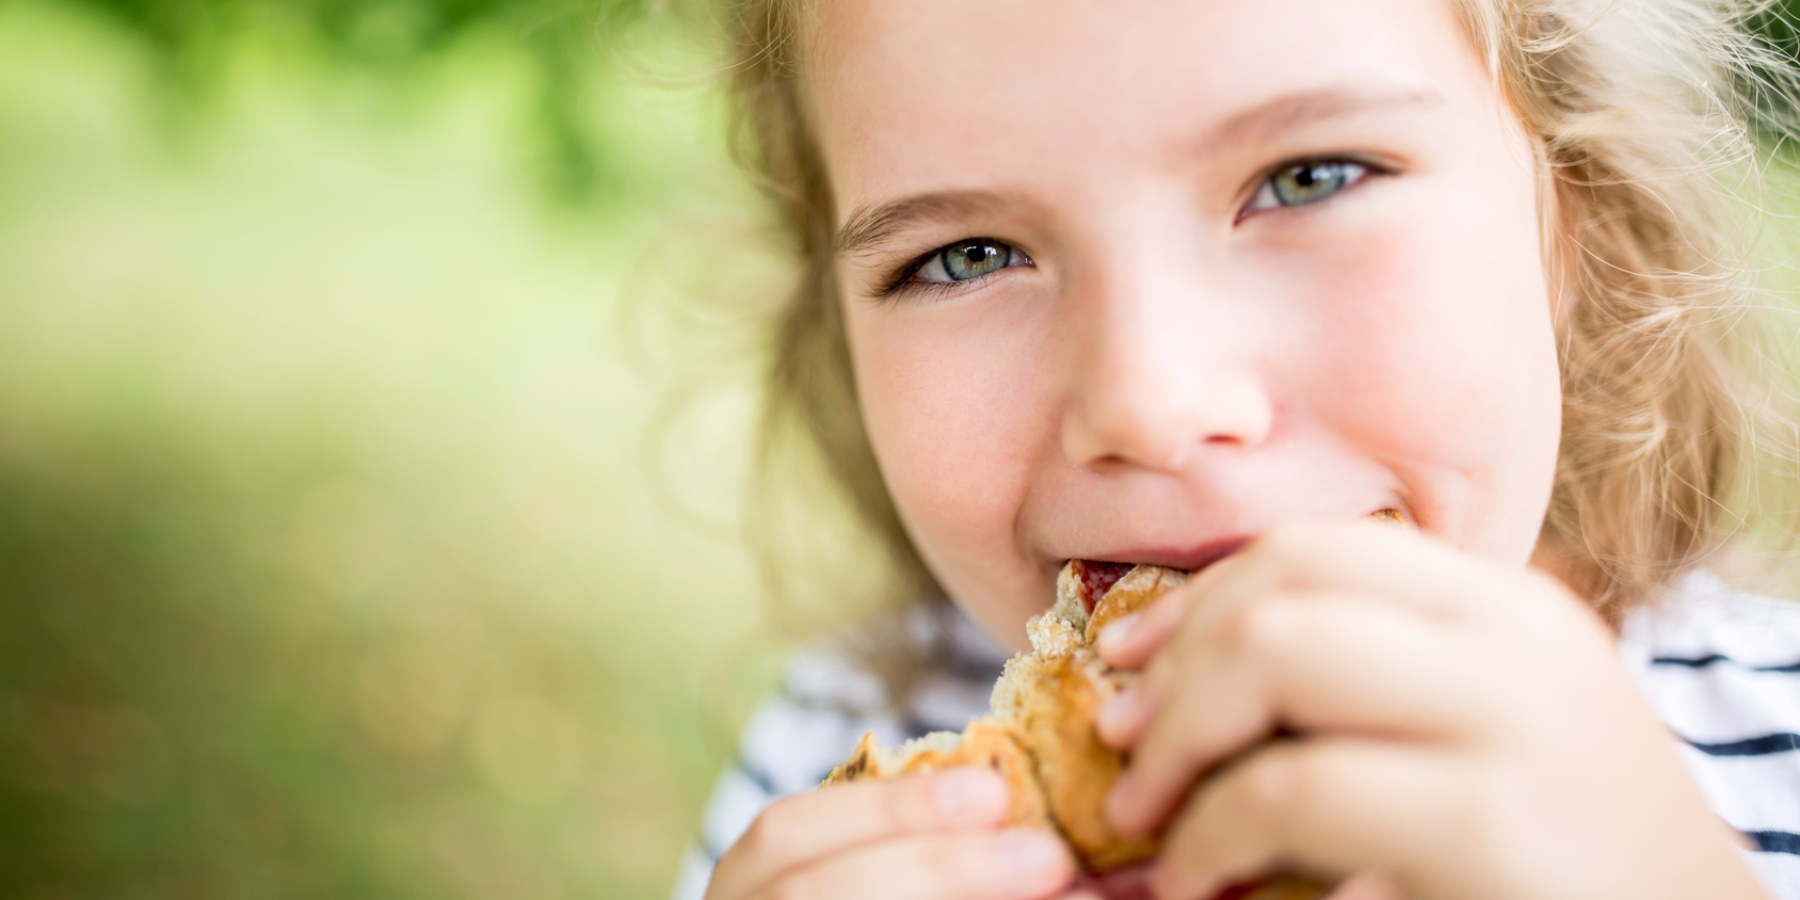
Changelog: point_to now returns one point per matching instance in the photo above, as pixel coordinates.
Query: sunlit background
(338, 554)
(374, 403)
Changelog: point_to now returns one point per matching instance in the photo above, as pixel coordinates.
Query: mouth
(1188, 559)
(1097, 576)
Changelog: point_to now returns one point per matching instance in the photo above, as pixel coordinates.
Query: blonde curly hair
(1646, 115)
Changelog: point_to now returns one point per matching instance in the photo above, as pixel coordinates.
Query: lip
(1195, 558)
(1192, 559)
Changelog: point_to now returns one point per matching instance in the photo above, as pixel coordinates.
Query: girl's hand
(1464, 729)
(933, 837)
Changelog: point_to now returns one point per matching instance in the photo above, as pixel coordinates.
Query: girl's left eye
(968, 259)
(1300, 183)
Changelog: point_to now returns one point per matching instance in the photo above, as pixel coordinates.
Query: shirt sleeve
(1722, 670)
(825, 705)
(790, 744)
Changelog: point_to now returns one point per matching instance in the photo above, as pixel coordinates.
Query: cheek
(1441, 361)
(956, 414)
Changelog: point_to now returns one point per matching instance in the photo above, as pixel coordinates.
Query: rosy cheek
(1414, 357)
(953, 403)
(1435, 354)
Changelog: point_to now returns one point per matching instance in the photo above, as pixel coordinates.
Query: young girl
(1201, 284)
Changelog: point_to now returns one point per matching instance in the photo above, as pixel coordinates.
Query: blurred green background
(374, 396)
(344, 549)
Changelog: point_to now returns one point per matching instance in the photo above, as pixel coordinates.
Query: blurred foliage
(380, 30)
(569, 43)
(328, 561)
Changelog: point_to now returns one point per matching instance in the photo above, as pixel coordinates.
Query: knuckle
(1156, 678)
(1547, 588)
(1562, 600)
(1266, 627)
(964, 860)
(1165, 619)
(908, 804)
(1547, 584)
(1554, 609)
(767, 829)
(1277, 784)
(1285, 544)
(799, 886)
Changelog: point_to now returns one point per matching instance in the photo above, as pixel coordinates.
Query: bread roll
(1039, 730)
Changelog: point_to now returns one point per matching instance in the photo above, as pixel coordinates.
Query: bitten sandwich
(1039, 730)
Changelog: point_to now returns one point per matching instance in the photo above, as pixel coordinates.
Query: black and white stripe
(823, 708)
(1722, 670)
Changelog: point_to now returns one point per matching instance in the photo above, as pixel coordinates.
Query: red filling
(1097, 578)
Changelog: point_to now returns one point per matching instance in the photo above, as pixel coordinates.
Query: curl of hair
(1646, 115)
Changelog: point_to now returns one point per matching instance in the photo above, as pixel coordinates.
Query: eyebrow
(869, 225)
(1286, 111)
(872, 225)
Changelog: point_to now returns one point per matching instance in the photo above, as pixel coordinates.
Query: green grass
(330, 558)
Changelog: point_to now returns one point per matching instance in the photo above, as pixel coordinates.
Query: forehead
(1000, 88)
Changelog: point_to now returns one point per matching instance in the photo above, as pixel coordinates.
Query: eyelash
(1265, 184)
(902, 282)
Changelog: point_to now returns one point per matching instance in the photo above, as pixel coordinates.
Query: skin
(1168, 376)
(1179, 370)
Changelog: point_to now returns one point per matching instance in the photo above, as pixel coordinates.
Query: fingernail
(1032, 853)
(974, 796)
(1120, 714)
(1114, 636)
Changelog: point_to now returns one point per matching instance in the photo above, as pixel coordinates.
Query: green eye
(965, 260)
(974, 259)
(1300, 183)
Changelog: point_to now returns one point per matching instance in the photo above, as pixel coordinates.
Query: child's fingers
(1324, 662)
(1379, 560)
(798, 829)
(1327, 807)
(1020, 864)
(1406, 568)
(1131, 642)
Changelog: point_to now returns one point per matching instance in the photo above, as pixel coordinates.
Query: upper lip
(1196, 557)
(1192, 559)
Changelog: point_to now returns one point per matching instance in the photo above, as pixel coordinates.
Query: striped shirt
(1720, 668)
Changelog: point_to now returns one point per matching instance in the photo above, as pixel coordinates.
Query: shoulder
(1704, 623)
(1721, 668)
(827, 682)
(822, 706)
(826, 701)
(1719, 665)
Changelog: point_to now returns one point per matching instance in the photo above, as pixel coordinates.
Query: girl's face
(1135, 281)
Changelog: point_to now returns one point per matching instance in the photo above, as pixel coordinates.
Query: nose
(1162, 371)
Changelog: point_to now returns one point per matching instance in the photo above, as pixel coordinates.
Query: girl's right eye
(1304, 182)
(966, 260)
